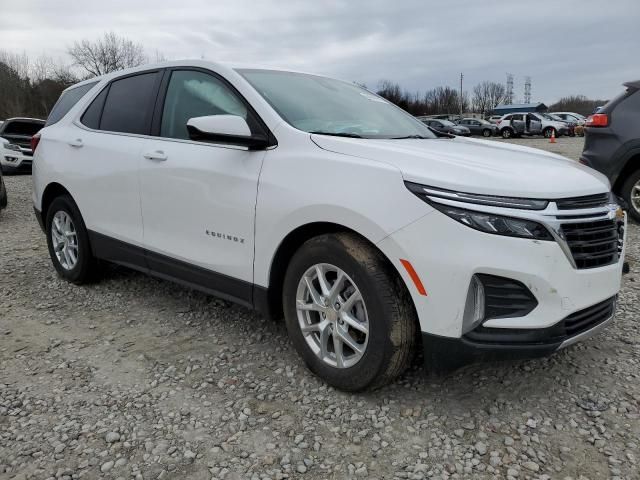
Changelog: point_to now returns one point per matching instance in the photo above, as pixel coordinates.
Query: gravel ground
(138, 378)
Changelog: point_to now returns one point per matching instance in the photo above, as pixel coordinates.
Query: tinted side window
(91, 116)
(66, 102)
(129, 104)
(196, 94)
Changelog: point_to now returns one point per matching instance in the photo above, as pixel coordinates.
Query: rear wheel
(68, 242)
(348, 313)
(631, 194)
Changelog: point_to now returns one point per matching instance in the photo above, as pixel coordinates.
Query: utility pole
(461, 77)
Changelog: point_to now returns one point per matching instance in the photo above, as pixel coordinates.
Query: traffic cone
(553, 137)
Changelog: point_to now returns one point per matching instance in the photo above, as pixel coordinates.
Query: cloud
(571, 46)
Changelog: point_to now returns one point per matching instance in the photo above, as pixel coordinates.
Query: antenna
(509, 93)
(527, 89)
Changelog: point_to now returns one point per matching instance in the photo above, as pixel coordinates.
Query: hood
(476, 166)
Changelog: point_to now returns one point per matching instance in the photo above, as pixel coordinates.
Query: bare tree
(108, 54)
(497, 95)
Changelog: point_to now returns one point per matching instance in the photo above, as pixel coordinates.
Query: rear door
(199, 199)
(103, 150)
(518, 123)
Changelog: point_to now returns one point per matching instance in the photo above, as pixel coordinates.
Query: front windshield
(447, 123)
(317, 104)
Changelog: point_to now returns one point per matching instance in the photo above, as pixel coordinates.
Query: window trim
(161, 97)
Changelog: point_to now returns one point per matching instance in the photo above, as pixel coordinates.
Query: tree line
(30, 87)
(484, 97)
(444, 100)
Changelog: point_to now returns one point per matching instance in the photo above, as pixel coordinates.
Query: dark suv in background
(612, 145)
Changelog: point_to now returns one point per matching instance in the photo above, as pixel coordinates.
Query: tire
(486, 132)
(387, 348)
(506, 133)
(632, 183)
(3, 194)
(548, 131)
(85, 268)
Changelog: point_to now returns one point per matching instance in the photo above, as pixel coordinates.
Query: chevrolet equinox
(314, 199)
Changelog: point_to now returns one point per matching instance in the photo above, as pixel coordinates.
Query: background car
(517, 124)
(478, 126)
(15, 151)
(571, 125)
(494, 119)
(550, 126)
(612, 145)
(571, 117)
(445, 126)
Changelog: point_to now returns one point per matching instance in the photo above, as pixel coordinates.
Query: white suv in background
(308, 197)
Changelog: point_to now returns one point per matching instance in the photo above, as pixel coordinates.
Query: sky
(587, 47)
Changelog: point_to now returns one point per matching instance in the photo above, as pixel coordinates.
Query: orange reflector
(414, 276)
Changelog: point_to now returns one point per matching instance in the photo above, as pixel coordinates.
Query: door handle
(77, 143)
(156, 155)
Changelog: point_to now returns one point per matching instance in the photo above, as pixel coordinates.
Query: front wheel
(506, 133)
(68, 242)
(486, 132)
(348, 313)
(549, 132)
(631, 194)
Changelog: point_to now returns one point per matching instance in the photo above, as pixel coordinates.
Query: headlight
(485, 221)
(496, 224)
(12, 146)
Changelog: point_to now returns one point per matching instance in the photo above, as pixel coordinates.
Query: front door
(534, 124)
(198, 199)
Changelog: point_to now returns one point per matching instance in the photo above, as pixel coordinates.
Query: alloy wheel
(332, 315)
(65, 240)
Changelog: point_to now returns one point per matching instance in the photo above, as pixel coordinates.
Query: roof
(520, 105)
(221, 67)
(634, 84)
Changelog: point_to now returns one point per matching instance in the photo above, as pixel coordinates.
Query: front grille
(590, 201)
(593, 244)
(583, 320)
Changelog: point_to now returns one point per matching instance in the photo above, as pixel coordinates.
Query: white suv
(308, 197)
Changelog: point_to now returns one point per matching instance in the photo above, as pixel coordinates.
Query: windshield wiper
(338, 134)
(409, 136)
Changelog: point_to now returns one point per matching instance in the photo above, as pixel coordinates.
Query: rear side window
(91, 116)
(18, 127)
(66, 102)
(128, 104)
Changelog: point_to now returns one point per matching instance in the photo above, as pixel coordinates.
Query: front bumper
(443, 354)
(446, 255)
(16, 163)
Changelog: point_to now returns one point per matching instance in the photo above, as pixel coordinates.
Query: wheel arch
(269, 300)
(50, 193)
(631, 165)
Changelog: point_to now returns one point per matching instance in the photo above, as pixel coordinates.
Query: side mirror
(227, 129)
